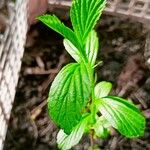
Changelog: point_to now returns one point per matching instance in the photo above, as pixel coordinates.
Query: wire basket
(11, 52)
(136, 9)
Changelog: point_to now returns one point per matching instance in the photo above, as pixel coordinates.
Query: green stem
(93, 106)
(91, 139)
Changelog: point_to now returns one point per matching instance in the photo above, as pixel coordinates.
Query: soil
(4, 15)
(122, 48)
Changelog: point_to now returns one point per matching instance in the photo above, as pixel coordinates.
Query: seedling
(76, 103)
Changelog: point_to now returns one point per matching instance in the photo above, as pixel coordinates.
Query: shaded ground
(4, 15)
(122, 45)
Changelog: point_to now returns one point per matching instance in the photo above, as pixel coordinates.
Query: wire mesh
(135, 9)
(11, 52)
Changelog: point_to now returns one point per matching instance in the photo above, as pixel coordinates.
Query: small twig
(147, 113)
(46, 83)
(39, 71)
(40, 62)
(45, 130)
(34, 126)
(51, 77)
(114, 143)
(36, 111)
(42, 121)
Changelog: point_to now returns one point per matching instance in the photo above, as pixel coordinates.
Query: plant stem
(91, 139)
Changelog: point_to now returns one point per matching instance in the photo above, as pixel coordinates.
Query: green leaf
(84, 16)
(91, 47)
(102, 89)
(54, 23)
(101, 127)
(122, 115)
(95, 148)
(69, 94)
(72, 50)
(66, 142)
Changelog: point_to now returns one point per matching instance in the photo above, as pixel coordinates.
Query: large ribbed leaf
(84, 16)
(66, 142)
(54, 23)
(68, 95)
(91, 47)
(122, 115)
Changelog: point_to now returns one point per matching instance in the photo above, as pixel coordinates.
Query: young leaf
(72, 50)
(54, 23)
(101, 127)
(122, 115)
(102, 89)
(91, 47)
(65, 141)
(84, 16)
(68, 95)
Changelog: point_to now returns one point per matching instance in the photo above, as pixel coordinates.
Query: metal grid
(135, 9)
(11, 52)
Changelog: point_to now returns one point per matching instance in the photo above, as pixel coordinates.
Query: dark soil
(3, 15)
(122, 47)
